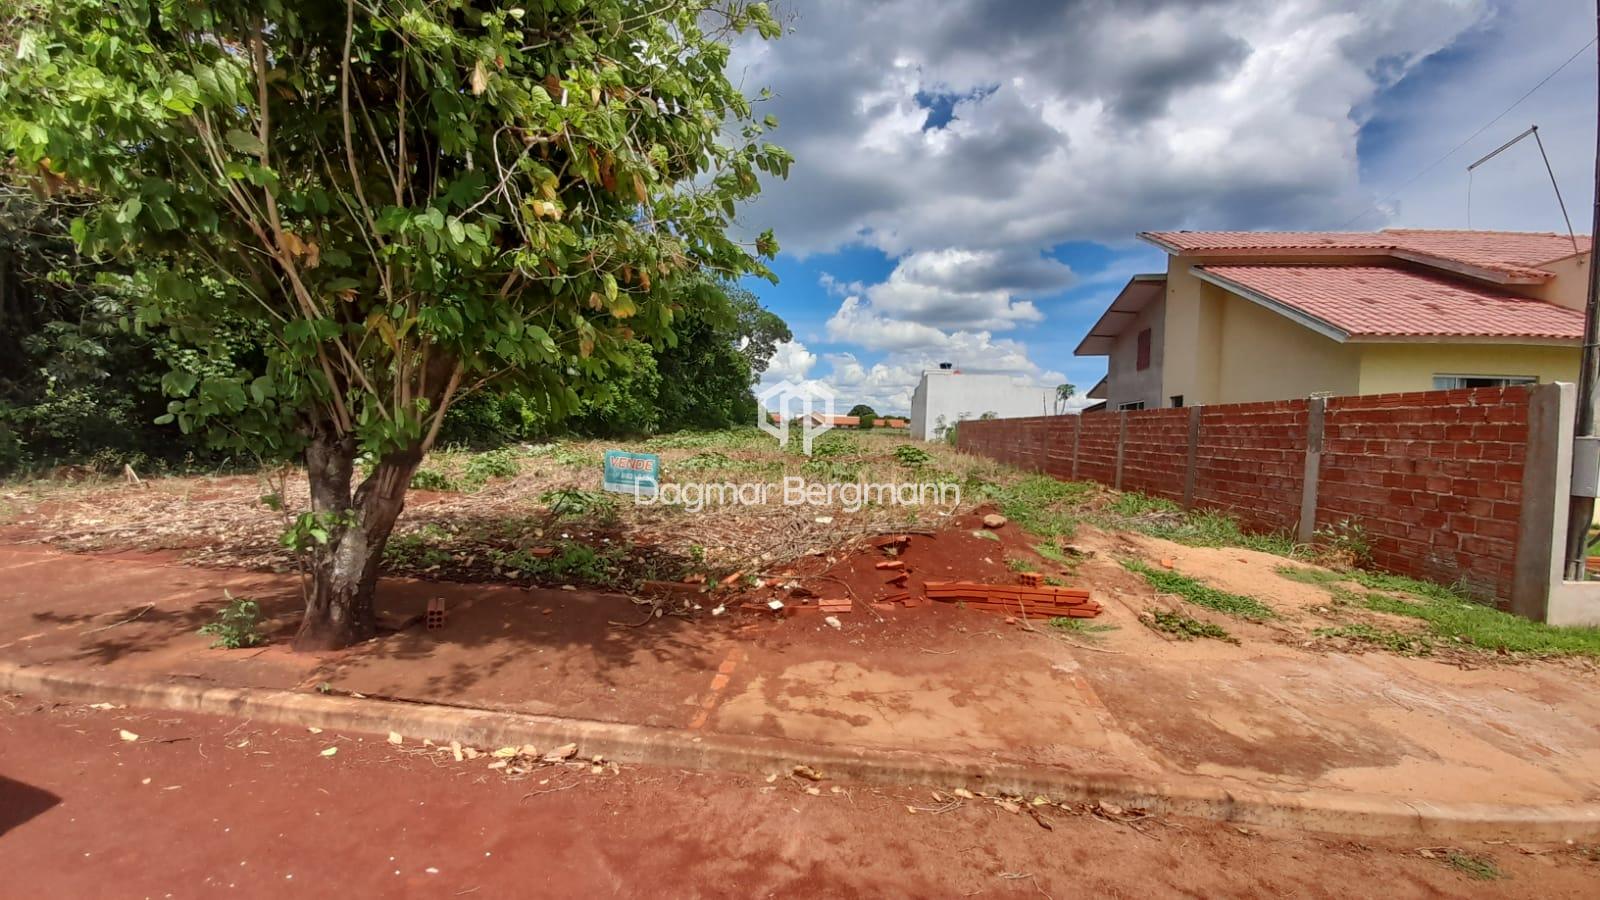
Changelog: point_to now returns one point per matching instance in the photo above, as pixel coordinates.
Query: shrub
(912, 456)
(1344, 544)
(573, 502)
(433, 480)
(237, 625)
(500, 463)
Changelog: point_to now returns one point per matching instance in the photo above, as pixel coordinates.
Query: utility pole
(1581, 510)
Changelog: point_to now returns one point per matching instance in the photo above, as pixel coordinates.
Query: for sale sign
(632, 473)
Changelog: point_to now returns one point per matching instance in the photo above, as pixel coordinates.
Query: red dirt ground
(957, 551)
(199, 806)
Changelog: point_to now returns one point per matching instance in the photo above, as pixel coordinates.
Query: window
(1452, 382)
(1137, 404)
(1177, 401)
(1143, 360)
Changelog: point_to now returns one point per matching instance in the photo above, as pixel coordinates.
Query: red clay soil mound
(958, 552)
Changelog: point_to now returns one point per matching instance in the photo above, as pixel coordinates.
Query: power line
(1469, 139)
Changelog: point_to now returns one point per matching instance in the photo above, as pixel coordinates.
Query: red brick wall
(1097, 448)
(1434, 479)
(1251, 462)
(1156, 453)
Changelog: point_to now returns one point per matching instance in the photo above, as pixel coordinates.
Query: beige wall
(1570, 287)
(1222, 348)
(1388, 368)
(1265, 356)
(1193, 323)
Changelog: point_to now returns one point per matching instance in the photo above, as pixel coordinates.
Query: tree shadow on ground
(576, 653)
(20, 803)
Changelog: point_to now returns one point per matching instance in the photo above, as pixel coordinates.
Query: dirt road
(201, 806)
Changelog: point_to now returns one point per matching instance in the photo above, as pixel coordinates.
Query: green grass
(1131, 504)
(1041, 505)
(1053, 553)
(572, 561)
(1200, 594)
(1456, 618)
(1018, 565)
(1449, 614)
(575, 503)
(1083, 627)
(1306, 575)
(1197, 528)
(500, 463)
(732, 438)
(1384, 638)
(1472, 865)
(1186, 628)
(433, 480)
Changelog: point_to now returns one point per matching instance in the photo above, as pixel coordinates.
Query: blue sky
(970, 175)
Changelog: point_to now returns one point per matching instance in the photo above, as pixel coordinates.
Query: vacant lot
(534, 515)
(1221, 659)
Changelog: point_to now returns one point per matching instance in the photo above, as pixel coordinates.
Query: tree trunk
(344, 570)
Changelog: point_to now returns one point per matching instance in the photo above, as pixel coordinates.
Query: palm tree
(1064, 392)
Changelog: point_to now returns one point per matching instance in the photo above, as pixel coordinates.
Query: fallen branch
(147, 608)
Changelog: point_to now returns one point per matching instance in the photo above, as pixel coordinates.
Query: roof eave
(1149, 237)
(1496, 276)
(1098, 341)
(1499, 339)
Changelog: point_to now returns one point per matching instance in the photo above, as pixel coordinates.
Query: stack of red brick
(1043, 601)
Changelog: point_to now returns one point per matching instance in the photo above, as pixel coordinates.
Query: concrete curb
(1341, 813)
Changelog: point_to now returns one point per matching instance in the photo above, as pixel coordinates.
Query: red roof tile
(1380, 301)
(1516, 254)
(1490, 249)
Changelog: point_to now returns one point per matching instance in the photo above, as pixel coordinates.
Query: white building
(946, 396)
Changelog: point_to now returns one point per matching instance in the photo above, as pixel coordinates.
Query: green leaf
(245, 142)
(178, 384)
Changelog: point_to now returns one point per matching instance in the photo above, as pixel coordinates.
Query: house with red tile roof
(1243, 316)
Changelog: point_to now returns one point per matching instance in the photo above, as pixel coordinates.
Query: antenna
(1533, 130)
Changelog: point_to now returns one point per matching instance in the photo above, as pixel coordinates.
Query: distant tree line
(80, 386)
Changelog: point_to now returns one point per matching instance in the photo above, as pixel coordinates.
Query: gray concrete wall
(1124, 382)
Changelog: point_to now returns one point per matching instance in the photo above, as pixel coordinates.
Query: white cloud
(1089, 120)
(911, 348)
(790, 361)
(967, 139)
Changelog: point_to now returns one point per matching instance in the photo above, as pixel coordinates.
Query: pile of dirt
(895, 567)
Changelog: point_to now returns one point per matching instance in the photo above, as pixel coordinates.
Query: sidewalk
(934, 680)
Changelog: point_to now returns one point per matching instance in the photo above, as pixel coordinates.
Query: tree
(1064, 393)
(710, 363)
(409, 201)
(865, 413)
(758, 330)
(74, 385)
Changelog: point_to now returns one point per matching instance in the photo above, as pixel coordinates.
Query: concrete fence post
(1308, 486)
(1077, 429)
(1536, 532)
(1044, 446)
(1122, 440)
(1191, 465)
